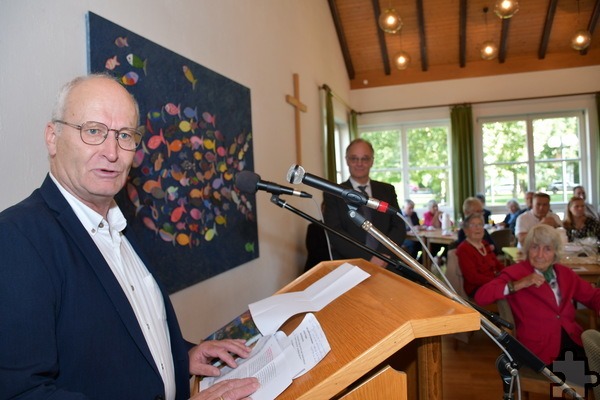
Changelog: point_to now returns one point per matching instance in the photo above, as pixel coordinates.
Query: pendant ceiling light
(489, 49)
(389, 20)
(582, 38)
(402, 60)
(506, 8)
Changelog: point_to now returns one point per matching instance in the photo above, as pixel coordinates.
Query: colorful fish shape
(111, 63)
(121, 42)
(189, 75)
(137, 62)
(130, 78)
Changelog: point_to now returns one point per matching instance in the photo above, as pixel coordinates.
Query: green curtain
(463, 156)
(353, 125)
(330, 167)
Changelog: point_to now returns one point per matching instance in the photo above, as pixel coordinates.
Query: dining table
(432, 236)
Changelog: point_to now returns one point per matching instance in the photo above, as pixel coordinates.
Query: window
(415, 159)
(536, 152)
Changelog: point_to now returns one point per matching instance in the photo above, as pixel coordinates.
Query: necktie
(370, 241)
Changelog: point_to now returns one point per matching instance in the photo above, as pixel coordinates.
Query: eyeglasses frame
(108, 130)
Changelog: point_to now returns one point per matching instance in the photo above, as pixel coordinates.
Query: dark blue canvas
(180, 198)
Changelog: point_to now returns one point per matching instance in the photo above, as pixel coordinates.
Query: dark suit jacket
(67, 329)
(336, 216)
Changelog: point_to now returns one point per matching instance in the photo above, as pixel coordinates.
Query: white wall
(257, 43)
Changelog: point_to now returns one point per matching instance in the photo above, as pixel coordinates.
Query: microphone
(296, 174)
(249, 182)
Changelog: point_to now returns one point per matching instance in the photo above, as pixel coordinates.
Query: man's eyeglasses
(95, 133)
(356, 160)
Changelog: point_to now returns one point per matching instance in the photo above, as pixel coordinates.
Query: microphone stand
(516, 355)
(401, 269)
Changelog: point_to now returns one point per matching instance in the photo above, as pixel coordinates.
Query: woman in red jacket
(540, 293)
(476, 258)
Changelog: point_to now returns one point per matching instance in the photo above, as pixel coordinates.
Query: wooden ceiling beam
(339, 29)
(503, 40)
(462, 33)
(547, 29)
(381, 38)
(592, 23)
(422, 36)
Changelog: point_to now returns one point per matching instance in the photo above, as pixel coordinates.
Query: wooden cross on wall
(298, 106)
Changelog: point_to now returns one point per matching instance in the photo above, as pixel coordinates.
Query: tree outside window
(415, 159)
(537, 153)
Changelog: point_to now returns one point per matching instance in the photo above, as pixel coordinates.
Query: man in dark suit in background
(359, 157)
(81, 314)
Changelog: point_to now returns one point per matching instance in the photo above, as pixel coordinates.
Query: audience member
(590, 210)
(486, 213)
(412, 247)
(476, 257)
(541, 294)
(82, 314)
(359, 158)
(510, 220)
(528, 201)
(577, 223)
(472, 205)
(539, 214)
(432, 217)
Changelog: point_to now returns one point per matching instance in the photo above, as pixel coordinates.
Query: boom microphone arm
(402, 269)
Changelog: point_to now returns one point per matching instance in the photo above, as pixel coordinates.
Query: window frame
(580, 106)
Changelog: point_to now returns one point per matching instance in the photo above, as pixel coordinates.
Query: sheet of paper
(310, 343)
(270, 313)
(277, 359)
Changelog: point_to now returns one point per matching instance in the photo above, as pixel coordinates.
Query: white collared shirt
(355, 186)
(136, 281)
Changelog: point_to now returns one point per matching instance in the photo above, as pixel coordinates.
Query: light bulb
(581, 40)
(506, 8)
(390, 21)
(402, 60)
(489, 50)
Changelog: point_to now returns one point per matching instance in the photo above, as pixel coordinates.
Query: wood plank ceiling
(444, 37)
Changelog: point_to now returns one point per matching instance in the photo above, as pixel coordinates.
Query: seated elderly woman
(476, 257)
(540, 293)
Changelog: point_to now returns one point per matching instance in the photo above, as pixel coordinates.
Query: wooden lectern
(384, 325)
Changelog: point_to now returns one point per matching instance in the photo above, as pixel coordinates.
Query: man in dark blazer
(75, 320)
(359, 157)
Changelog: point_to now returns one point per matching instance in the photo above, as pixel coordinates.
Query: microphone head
(247, 181)
(295, 174)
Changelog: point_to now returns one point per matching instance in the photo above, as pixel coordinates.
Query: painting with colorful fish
(180, 198)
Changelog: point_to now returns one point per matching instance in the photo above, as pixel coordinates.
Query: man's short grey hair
(513, 202)
(60, 104)
(543, 235)
(409, 202)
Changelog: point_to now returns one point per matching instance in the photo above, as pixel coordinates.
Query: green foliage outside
(427, 166)
(554, 155)
(555, 151)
